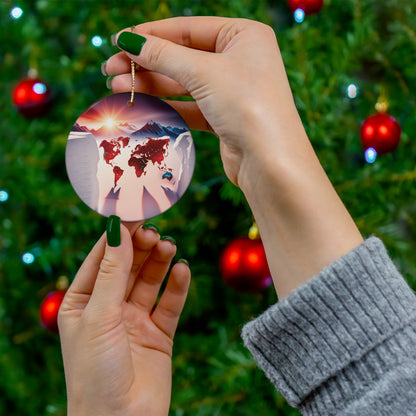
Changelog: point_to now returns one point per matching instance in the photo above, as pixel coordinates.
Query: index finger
(197, 32)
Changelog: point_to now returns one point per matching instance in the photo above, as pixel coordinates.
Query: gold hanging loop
(133, 79)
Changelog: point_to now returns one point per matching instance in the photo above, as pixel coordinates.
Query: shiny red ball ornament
(244, 266)
(32, 97)
(308, 6)
(381, 132)
(49, 309)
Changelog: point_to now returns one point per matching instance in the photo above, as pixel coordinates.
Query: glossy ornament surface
(32, 97)
(244, 266)
(380, 132)
(308, 6)
(133, 161)
(49, 309)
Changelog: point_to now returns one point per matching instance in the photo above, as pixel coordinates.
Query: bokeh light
(370, 155)
(39, 88)
(97, 41)
(4, 195)
(16, 12)
(28, 258)
(352, 91)
(299, 15)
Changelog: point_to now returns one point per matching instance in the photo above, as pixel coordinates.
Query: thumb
(180, 63)
(113, 274)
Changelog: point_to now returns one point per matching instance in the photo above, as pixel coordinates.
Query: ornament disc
(131, 161)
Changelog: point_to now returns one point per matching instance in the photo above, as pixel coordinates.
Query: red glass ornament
(244, 266)
(49, 309)
(308, 6)
(32, 97)
(381, 132)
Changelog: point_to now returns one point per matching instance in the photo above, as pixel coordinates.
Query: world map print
(134, 162)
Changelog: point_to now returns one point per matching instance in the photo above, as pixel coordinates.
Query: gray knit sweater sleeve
(345, 342)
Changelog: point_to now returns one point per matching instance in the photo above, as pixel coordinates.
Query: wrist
(274, 150)
(303, 223)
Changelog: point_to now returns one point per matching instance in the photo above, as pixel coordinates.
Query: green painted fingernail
(150, 227)
(168, 237)
(131, 42)
(183, 261)
(104, 69)
(113, 231)
(108, 82)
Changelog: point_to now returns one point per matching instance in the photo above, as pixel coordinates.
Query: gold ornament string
(133, 79)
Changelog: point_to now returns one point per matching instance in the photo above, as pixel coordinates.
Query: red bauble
(381, 132)
(244, 266)
(32, 97)
(308, 6)
(49, 310)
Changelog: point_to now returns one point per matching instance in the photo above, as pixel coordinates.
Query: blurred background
(347, 61)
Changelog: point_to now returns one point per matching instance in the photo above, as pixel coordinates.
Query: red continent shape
(124, 141)
(111, 150)
(118, 173)
(153, 150)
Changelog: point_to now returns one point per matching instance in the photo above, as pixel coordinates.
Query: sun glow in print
(109, 122)
(133, 162)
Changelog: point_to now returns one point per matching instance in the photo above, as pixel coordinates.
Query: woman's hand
(231, 67)
(234, 71)
(116, 347)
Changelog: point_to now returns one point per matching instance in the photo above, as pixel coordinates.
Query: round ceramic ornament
(133, 159)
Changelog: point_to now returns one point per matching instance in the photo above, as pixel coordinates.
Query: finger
(188, 110)
(199, 32)
(132, 226)
(169, 308)
(146, 288)
(144, 240)
(117, 64)
(111, 283)
(192, 115)
(149, 83)
(160, 55)
(84, 280)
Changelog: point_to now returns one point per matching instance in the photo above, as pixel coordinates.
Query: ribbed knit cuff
(337, 333)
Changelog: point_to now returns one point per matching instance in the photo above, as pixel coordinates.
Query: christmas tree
(341, 61)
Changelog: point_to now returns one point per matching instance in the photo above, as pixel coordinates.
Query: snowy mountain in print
(79, 129)
(154, 129)
(110, 131)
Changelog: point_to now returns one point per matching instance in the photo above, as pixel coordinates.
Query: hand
(117, 352)
(234, 71)
(231, 67)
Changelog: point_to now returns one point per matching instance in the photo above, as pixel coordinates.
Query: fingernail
(103, 69)
(168, 237)
(114, 39)
(113, 231)
(131, 42)
(108, 82)
(183, 261)
(150, 227)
